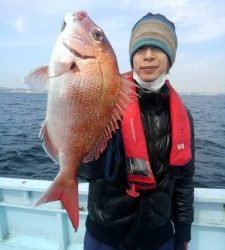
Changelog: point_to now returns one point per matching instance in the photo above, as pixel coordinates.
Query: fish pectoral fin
(48, 146)
(37, 78)
(58, 68)
(68, 197)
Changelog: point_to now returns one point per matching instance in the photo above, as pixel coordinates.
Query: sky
(29, 29)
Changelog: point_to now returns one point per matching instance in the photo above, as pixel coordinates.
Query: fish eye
(98, 35)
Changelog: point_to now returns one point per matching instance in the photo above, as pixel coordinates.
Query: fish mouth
(76, 53)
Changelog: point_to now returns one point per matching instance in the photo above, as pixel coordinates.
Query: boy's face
(150, 62)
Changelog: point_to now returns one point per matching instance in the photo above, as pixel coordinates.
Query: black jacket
(117, 219)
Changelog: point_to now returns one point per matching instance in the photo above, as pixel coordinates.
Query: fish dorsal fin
(37, 78)
(113, 125)
(47, 144)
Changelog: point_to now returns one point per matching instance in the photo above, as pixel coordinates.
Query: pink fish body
(86, 98)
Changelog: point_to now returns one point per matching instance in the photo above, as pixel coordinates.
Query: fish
(87, 98)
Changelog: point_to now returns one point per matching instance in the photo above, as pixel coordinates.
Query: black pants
(92, 244)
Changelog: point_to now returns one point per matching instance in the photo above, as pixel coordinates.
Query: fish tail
(68, 197)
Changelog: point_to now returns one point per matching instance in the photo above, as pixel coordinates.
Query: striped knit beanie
(155, 30)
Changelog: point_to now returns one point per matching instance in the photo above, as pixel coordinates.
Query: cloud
(20, 25)
(196, 21)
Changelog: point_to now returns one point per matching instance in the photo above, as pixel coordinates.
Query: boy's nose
(149, 54)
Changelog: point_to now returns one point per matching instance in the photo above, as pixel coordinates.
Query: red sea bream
(86, 98)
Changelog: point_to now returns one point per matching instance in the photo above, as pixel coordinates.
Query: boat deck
(47, 227)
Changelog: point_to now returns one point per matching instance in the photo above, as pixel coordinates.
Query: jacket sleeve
(183, 197)
(108, 166)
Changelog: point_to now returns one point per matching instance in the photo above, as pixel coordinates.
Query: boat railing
(47, 227)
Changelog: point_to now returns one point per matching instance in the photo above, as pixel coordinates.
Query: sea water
(22, 155)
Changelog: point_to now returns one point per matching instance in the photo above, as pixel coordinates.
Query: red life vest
(135, 147)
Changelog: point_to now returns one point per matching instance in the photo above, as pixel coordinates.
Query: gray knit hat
(155, 30)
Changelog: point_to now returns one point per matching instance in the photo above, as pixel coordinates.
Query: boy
(141, 190)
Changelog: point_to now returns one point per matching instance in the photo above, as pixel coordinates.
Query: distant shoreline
(21, 90)
(24, 90)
